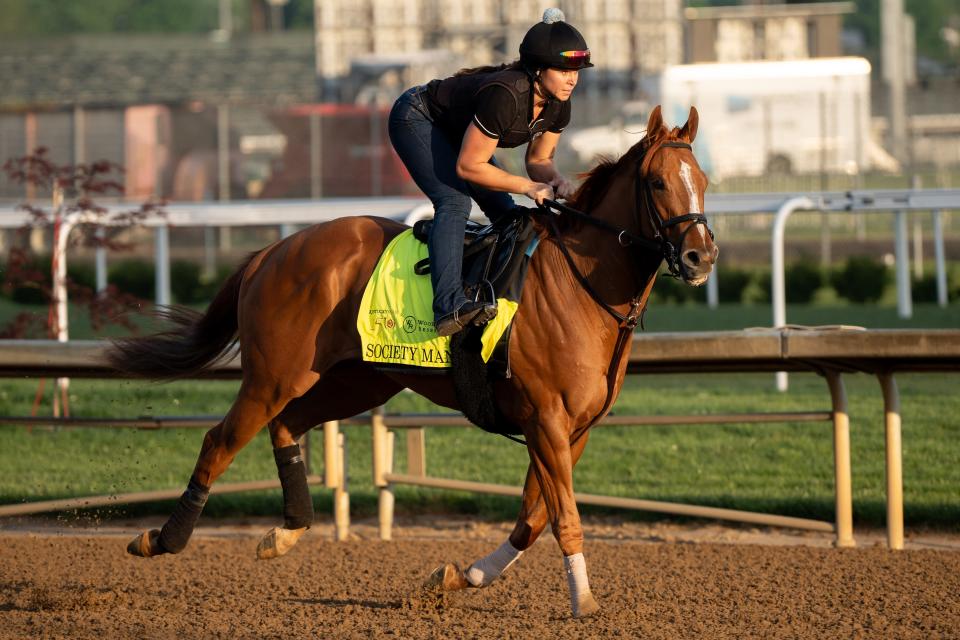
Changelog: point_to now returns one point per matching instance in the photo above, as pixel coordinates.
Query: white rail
(288, 213)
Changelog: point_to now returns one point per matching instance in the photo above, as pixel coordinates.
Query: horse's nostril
(693, 257)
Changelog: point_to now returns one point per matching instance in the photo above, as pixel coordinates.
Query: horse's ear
(689, 130)
(655, 124)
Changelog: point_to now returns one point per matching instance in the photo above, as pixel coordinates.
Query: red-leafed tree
(74, 188)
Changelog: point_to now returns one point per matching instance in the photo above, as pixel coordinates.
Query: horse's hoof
(586, 606)
(146, 545)
(447, 577)
(278, 542)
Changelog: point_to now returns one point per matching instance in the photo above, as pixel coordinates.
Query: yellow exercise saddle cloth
(396, 314)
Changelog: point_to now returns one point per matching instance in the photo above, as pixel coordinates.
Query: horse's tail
(193, 344)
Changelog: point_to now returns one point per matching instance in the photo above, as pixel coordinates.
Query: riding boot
(474, 313)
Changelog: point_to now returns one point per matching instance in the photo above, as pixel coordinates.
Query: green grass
(778, 468)
(80, 327)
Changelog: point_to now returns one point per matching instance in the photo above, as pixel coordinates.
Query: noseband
(659, 244)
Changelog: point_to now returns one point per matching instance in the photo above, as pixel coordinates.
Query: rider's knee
(452, 205)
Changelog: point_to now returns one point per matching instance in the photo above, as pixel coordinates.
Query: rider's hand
(538, 192)
(563, 187)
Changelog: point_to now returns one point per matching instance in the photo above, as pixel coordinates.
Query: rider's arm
(540, 165)
(539, 157)
(540, 151)
(473, 165)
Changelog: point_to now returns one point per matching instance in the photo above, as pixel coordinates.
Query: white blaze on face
(686, 176)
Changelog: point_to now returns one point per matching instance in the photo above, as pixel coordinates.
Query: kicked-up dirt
(663, 584)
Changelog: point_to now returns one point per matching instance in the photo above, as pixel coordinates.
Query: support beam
(894, 466)
(624, 503)
(843, 485)
(113, 500)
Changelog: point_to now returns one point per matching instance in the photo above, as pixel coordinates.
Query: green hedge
(78, 272)
(802, 279)
(860, 279)
(189, 285)
(136, 277)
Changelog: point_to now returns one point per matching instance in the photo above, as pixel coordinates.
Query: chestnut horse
(293, 308)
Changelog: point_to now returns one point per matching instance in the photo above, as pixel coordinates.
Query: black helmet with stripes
(554, 43)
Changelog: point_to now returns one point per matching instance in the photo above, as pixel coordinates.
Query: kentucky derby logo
(381, 321)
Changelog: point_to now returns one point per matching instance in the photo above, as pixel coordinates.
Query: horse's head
(671, 186)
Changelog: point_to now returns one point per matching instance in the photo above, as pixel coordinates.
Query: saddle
(492, 254)
(495, 259)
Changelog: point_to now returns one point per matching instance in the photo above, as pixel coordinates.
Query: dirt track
(83, 585)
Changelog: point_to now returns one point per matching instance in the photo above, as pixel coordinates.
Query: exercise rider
(446, 133)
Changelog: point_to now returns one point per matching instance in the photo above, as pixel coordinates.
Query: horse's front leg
(552, 459)
(535, 511)
(530, 524)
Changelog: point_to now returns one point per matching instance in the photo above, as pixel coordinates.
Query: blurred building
(191, 117)
(207, 116)
(764, 31)
(627, 38)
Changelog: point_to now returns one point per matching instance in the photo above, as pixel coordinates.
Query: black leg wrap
(297, 505)
(179, 527)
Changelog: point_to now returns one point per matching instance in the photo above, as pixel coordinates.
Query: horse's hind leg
(347, 390)
(292, 472)
(254, 407)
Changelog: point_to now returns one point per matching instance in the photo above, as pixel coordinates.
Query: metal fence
(828, 352)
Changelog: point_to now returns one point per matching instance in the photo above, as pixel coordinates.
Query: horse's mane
(597, 180)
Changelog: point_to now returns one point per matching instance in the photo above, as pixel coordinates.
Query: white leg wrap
(576, 568)
(486, 570)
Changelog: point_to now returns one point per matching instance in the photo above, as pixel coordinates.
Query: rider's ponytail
(488, 69)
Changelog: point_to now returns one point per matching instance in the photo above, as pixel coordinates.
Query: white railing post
(100, 259)
(419, 212)
(162, 265)
(940, 258)
(777, 279)
(902, 253)
(713, 289)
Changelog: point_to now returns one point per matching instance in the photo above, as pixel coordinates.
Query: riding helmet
(554, 43)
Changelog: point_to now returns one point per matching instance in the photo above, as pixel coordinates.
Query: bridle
(659, 244)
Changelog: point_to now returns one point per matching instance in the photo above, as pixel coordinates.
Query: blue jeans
(431, 158)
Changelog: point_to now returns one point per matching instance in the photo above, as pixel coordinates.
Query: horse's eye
(658, 184)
